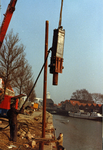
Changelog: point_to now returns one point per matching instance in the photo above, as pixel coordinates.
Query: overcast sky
(83, 47)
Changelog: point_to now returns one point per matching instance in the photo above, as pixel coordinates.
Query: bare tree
(24, 75)
(23, 83)
(82, 95)
(11, 54)
(28, 88)
(97, 97)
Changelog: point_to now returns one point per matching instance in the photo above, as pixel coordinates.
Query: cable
(37, 78)
(60, 19)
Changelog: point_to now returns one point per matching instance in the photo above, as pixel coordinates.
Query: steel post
(45, 82)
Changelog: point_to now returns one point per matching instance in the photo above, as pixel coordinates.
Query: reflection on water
(79, 134)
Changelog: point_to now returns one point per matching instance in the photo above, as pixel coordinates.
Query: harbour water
(79, 134)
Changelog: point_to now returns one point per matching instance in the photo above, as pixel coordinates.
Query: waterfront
(79, 134)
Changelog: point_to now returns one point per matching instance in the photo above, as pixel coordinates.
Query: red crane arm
(6, 21)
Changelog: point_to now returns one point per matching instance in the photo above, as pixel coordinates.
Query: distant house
(98, 108)
(59, 105)
(49, 103)
(55, 106)
(82, 101)
(71, 106)
(78, 105)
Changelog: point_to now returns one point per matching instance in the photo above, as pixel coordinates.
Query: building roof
(74, 102)
(49, 101)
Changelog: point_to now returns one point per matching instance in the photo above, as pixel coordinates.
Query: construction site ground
(29, 132)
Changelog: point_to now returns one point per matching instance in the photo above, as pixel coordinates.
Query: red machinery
(5, 104)
(6, 21)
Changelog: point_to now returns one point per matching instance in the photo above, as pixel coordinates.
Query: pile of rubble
(29, 131)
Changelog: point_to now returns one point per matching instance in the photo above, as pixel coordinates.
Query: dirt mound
(29, 128)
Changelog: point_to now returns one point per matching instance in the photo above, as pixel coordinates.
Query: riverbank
(88, 116)
(29, 132)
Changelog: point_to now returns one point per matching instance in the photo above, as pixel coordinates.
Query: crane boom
(6, 20)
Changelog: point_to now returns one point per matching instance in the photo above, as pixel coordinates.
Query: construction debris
(11, 146)
(29, 132)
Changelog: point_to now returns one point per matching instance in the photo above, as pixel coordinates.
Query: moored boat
(90, 116)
